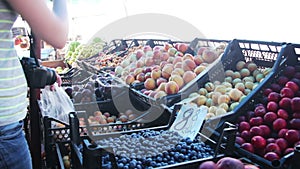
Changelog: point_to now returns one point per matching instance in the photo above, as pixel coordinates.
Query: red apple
(295, 104)
(269, 117)
(272, 106)
(244, 126)
(274, 96)
(279, 123)
(292, 85)
(256, 121)
(283, 114)
(266, 131)
(271, 156)
(285, 103)
(256, 131)
(258, 142)
(282, 143)
(286, 92)
(292, 136)
(248, 146)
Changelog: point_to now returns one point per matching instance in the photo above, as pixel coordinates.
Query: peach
(188, 65)
(215, 96)
(147, 48)
(223, 99)
(161, 86)
(240, 65)
(201, 50)
(199, 69)
(156, 54)
(172, 51)
(166, 71)
(141, 77)
(137, 71)
(179, 54)
(229, 73)
(235, 94)
(188, 76)
(164, 56)
(209, 56)
(240, 86)
(178, 79)
(178, 65)
(139, 63)
(182, 47)
(155, 74)
(209, 86)
(129, 79)
(163, 63)
(200, 100)
(224, 106)
(244, 72)
(171, 87)
(160, 94)
(220, 88)
(149, 61)
(251, 67)
(188, 56)
(157, 47)
(178, 71)
(177, 59)
(167, 46)
(160, 80)
(220, 111)
(198, 59)
(150, 84)
(170, 59)
(152, 93)
(236, 74)
(202, 91)
(139, 53)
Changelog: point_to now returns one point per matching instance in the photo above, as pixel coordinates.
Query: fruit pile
(164, 70)
(150, 149)
(227, 163)
(222, 97)
(272, 128)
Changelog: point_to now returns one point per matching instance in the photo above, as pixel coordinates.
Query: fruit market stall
(241, 109)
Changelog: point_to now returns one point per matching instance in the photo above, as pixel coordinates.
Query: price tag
(189, 120)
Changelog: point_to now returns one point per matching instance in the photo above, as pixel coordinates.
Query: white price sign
(189, 120)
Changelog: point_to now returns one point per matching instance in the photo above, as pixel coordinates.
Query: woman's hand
(58, 81)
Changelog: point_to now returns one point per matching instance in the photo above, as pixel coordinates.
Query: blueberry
(148, 161)
(178, 147)
(165, 159)
(120, 165)
(153, 163)
(189, 141)
(123, 160)
(139, 166)
(183, 150)
(159, 159)
(132, 164)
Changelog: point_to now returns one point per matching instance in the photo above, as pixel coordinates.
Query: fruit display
(155, 148)
(220, 97)
(79, 51)
(227, 163)
(165, 70)
(271, 129)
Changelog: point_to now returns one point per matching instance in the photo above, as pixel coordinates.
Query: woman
(49, 26)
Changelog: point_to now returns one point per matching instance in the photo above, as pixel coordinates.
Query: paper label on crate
(189, 120)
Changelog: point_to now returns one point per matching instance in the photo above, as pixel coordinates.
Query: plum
(229, 163)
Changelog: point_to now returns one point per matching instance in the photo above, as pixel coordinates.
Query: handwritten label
(189, 120)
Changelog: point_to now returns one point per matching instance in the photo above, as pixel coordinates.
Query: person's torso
(13, 85)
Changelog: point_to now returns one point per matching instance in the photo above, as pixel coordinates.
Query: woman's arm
(50, 26)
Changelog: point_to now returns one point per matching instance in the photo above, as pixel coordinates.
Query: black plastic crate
(170, 100)
(63, 152)
(289, 56)
(78, 77)
(93, 153)
(56, 132)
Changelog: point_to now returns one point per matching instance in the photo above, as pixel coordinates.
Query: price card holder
(189, 120)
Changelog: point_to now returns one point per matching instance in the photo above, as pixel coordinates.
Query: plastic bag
(56, 104)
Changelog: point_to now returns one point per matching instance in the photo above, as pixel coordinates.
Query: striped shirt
(13, 86)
